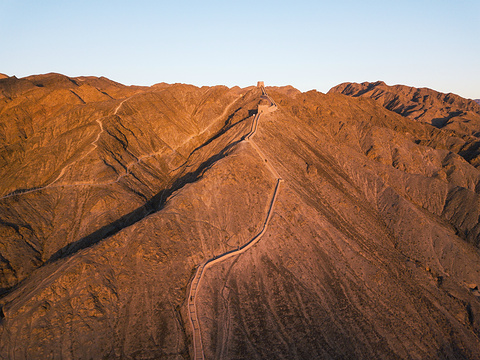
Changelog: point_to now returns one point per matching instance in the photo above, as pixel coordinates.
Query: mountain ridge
(408, 101)
(373, 238)
(450, 112)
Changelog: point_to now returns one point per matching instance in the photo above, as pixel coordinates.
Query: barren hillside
(112, 196)
(458, 117)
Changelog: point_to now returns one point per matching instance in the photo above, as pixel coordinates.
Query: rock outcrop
(112, 195)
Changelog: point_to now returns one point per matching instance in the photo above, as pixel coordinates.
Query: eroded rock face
(112, 195)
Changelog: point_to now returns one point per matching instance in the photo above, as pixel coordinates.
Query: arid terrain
(350, 221)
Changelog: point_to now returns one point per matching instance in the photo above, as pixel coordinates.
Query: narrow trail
(127, 167)
(62, 171)
(198, 353)
(94, 146)
(213, 122)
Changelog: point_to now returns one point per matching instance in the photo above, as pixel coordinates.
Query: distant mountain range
(362, 206)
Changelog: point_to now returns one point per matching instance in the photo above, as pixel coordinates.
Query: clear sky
(307, 44)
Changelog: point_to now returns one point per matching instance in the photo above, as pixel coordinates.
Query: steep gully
(198, 353)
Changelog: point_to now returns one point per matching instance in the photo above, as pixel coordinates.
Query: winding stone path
(198, 353)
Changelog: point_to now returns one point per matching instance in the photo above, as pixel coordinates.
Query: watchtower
(260, 84)
(264, 104)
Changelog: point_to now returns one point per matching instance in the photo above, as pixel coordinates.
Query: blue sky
(307, 44)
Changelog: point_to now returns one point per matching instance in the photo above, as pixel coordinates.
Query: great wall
(266, 105)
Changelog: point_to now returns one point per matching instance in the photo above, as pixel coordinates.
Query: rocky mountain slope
(448, 111)
(458, 116)
(111, 196)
